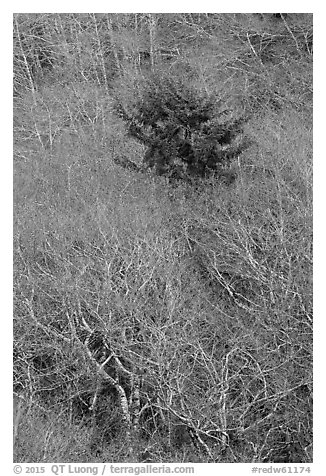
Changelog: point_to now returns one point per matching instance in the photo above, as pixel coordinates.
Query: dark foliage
(187, 134)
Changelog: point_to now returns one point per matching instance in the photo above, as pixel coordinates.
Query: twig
(291, 33)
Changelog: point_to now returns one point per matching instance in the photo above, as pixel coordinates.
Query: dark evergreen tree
(187, 133)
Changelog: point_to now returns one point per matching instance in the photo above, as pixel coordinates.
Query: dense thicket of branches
(260, 59)
(157, 321)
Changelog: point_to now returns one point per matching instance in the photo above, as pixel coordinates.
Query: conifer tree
(187, 134)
